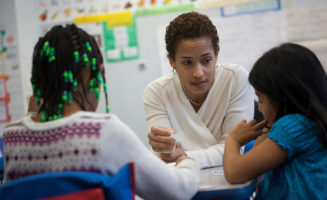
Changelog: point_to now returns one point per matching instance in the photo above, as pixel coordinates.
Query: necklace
(190, 100)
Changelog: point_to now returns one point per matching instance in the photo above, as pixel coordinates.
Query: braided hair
(59, 59)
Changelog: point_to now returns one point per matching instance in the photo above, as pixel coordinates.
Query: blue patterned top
(304, 174)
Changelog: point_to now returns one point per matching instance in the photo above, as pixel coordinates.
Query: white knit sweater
(202, 133)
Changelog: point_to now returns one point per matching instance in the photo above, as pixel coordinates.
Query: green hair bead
(75, 85)
(107, 109)
(60, 106)
(91, 85)
(94, 62)
(76, 57)
(70, 74)
(70, 97)
(105, 87)
(88, 46)
(85, 59)
(43, 117)
(51, 59)
(38, 93)
(33, 87)
(51, 51)
(65, 74)
(96, 91)
(45, 46)
(64, 96)
(99, 77)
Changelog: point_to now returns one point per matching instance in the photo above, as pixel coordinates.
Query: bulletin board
(120, 42)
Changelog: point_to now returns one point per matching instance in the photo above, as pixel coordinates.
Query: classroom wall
(9, 63)
(243, 38)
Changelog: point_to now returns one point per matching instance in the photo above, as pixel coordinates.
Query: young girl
(291, 86)
(67, 135)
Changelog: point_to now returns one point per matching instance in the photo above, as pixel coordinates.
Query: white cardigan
(202, 134)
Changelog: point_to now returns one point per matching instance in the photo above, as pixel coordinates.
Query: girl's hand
(244, 131)
(263, 136)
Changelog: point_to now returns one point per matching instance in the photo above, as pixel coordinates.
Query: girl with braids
(67, 135)
(291, 85)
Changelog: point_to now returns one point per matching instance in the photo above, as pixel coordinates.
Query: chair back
(119, 186)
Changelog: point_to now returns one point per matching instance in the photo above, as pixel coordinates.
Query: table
(213, 185)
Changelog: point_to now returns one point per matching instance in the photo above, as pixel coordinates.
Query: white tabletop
(213, 179)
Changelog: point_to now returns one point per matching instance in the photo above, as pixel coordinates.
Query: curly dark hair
(190, 25)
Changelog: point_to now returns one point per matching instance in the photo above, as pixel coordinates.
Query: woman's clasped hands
(161, 141)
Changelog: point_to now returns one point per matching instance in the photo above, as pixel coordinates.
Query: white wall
(11, 58)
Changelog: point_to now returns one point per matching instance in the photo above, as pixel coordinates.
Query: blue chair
(119, 186)
(242, 193)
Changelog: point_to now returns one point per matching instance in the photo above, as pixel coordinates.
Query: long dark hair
(293, 78)
(58, 61)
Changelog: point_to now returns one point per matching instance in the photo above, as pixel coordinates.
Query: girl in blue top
(291, 85)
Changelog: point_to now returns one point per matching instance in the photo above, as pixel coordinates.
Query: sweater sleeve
(155, 110)
(154, 178)
(240, 107)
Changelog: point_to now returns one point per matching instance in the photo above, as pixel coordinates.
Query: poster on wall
(61, 11)
(4, 100)
(2, 43)
(250, 8)
(2, 64)
(120, 43)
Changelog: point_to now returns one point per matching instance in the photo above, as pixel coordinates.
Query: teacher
(190, 111)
